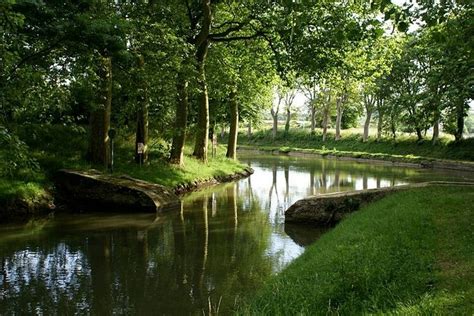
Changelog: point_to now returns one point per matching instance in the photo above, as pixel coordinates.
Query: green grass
(405, 148)
(25, 190)
(410, 253)
(159, 171)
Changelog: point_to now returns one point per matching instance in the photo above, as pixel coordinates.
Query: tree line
(185, 67)
(411, 82)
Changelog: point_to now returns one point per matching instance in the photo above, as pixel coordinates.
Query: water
(208, 255)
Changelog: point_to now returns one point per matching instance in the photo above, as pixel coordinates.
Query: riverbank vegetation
(405, 147)
(408, 254)
(63, 148)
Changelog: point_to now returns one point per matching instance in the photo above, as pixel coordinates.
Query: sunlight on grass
(20, 189)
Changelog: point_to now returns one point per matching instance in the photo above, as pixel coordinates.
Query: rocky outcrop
(92, 190)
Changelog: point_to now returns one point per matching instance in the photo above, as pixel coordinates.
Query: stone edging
(328, 209)
(137, 194)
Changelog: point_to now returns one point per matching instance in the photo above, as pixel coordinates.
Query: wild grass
(404, 147)
(410, 253)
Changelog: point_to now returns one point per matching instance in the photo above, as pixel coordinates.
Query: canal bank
(329, 209)
(410, 253)
(93, 190)
(365, 157)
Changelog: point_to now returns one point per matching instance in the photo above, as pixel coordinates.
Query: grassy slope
(162, 173)
(60, 147)
(410, 253)
(404, 147)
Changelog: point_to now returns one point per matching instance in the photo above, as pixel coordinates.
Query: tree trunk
(288, 120)
(338, 118)
(379, 126)
(99, 146)
(275, 123)
(202, 128)
(222, 131)
(202, 45)
(367, 125)
(393, 127)
(181, 121)
(234, 127)
(325, 123)
(313, 120)
(435, 131)
(459, 122)
(326, 114)
(249, 129)
(141, 135)
(419, 134)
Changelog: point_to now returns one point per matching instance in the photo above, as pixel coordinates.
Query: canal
(206, 256)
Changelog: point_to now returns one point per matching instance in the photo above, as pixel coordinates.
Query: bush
(14, 156)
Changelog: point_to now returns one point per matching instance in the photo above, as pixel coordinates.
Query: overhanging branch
(237, 38)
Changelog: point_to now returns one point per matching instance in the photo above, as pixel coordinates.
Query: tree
(239, 77)
(213, 23)
(280, 96)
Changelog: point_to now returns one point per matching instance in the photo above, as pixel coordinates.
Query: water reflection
(218, 247)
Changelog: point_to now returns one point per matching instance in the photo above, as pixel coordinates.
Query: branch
(192, 19)
(206, 23)
(237, 38)
(224, 24)
(231, 29)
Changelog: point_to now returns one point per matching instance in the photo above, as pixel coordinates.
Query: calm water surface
(208, 255)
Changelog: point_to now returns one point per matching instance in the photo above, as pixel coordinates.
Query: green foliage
(14, 156)
(394, 256)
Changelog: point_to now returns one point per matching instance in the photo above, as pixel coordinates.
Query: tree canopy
(186, 67)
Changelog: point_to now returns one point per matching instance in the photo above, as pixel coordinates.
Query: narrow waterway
(208, 255)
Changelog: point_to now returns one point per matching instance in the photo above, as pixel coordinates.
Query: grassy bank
(57, 147)
(404, 148)
(410, 253)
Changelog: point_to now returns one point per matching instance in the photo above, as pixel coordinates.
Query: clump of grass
(24, 190)
(410, 253)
